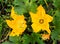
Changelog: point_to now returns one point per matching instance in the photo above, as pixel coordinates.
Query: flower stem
(46, 3)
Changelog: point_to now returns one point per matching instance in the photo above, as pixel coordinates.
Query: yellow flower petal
(36, 27)
(46, 27)
(15, 32)
(9, 23)
(13, 14)
(40, 20)
(34, 17)
(18, 24)
(48, 18)
(40, 9)
(45, 36)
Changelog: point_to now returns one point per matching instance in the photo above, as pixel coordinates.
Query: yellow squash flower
(45, 36)
(40, 20)
(18, 24)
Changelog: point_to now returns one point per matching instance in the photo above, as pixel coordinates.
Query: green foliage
(56, 21)
(41, 2)
(36, 38)
(56, 3)
(8, 10)
(0, 0)
(15, 39)
(33, 39)
(1, 21)
(6, 42)
(26, 39)
(24, 7)
(17, 3)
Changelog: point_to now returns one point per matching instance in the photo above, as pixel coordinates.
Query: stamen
(41, 21)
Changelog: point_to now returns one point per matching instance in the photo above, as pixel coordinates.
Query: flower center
(41, 21)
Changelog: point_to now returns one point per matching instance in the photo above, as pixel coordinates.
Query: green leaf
(56, 21)
(41, 42)
(0, 28)
(49, 0)
(33, 1)
(55, 33)
(1, 21)
(15, 39)
(0, 0)
(41, 2)
(21, 6)
(26, 39)
(56, 3)
(20, 10)
(33, 7)
(35, 38)
(50, 12)
(16, 43)
(6, 42)
(8, 10)
(0, 31)
(54, 42)
(17, 2)
(25, 1)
